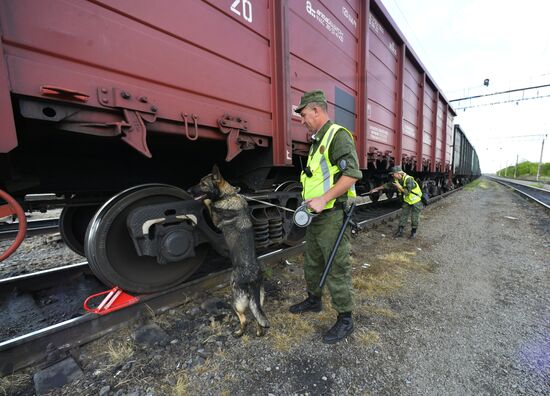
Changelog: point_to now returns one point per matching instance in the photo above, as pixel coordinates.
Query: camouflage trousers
(321, 235)
(413, 211)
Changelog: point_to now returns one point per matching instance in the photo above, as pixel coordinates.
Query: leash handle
(303, 216)
(347, 219)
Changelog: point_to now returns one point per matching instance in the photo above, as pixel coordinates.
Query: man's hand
(398, 186)
(316, 204)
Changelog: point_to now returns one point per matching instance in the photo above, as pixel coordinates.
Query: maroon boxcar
(99, 97)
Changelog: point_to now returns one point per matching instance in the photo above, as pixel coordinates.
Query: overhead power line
(501, 102)
(501, 93)
(540, 135)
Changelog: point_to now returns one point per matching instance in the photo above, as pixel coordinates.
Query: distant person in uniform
(411, 195)
(328, 180)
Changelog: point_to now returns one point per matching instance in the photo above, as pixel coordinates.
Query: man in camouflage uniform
(411, 195)
(333, 147)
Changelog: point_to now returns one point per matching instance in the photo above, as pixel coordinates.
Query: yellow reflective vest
(322, 170)
(415, 194)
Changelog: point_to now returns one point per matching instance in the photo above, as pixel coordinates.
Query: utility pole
(516, 168)
(540, 160)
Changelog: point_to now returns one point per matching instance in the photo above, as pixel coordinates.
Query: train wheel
(110, 249)
(11, 208)
(73, 223)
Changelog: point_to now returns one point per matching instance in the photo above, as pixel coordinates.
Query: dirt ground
(463, 309)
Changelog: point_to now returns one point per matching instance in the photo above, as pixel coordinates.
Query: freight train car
(117, 106)
(465, 161)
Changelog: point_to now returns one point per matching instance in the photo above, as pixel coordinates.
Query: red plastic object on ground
(115, 299)
(13, 208)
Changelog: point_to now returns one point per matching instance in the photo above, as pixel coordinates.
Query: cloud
(462, 42)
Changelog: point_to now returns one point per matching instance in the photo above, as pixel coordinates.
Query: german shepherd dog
(229, 213)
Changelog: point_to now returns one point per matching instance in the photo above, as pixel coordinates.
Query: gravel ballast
(463, 309)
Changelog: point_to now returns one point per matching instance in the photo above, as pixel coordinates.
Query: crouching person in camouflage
(411, 195)
(328, 180)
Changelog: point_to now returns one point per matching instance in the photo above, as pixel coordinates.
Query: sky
(463, 42)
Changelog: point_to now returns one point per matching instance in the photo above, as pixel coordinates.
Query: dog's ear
(217, 176)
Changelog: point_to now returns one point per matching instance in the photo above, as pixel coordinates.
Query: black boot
(399, 232)
(310, 304)
(341, 329)
(413, 233)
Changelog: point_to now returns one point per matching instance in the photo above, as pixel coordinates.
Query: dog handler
(327, 181)
(412, 196)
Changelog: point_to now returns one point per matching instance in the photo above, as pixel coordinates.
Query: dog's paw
(239, 333)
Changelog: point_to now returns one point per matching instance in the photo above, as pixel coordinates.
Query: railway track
(536, 194)
(32, 347)
(34, 227)
(26, 349)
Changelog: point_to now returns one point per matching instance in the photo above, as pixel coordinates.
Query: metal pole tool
(347, 218)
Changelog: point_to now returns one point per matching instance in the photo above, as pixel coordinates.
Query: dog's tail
(256, 304)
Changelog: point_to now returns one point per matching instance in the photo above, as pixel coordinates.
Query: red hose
(16, 209)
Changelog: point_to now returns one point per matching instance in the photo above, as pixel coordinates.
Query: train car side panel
(193, 67)
(317, 29)
(411, 111)
(430, 110)
(449, 136)
(8, 134)
(457, 149)
(465, 162)
(439, 131)
(382, 88)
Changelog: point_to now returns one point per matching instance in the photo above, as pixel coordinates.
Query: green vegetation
(526, 170)
(477, 183)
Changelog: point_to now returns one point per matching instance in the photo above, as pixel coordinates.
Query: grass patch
(477, 183)
(381, 284)
(288, 329)
(119, 351)
(159, 320)
(370, 310)
(14, 384)
(385, 274)
(209, 366)
(181, 388)
(367, 337)
(218, 328)
(191, 382)
(245, 339)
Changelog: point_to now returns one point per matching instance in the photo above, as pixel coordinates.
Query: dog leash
(266, 203)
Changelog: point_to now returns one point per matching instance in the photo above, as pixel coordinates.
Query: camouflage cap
(311, 97)
(395, 169)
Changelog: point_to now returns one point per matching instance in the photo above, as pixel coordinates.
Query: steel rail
(34, 227)
(43, 279)
(31, 348)
(526, 190)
